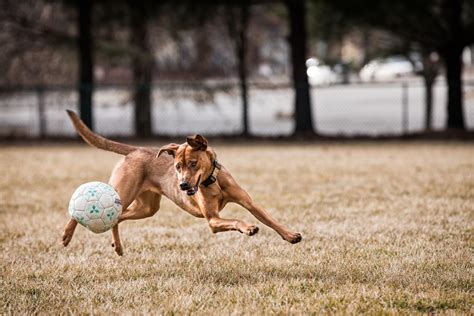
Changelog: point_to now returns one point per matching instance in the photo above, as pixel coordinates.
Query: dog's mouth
(194, 189)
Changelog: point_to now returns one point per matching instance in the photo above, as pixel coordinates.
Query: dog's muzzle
(185, 186)
(192, 191)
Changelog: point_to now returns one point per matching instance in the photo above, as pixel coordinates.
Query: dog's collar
(213, 177)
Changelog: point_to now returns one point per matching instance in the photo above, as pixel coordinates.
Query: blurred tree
(328, 24)
(28, 19)
(135, 16)
(327, 27)
(429, 60)
(431, 68)
(142, 63)
(237, 20)
(446, 26)
(236, 17)
(297, 39)
(86, 60)
(32, 32)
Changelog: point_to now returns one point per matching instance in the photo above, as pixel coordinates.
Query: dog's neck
(216, 167)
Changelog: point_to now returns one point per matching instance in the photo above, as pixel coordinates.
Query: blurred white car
(386, 69)
(319, 74)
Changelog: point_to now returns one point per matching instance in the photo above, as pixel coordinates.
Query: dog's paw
(118, 249)
(294, 238)
(67, 236)
(250, 230)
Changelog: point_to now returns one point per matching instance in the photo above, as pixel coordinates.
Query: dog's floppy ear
(170, 149)
(197, 142)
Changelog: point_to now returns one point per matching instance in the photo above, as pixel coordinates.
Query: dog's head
(193, 162)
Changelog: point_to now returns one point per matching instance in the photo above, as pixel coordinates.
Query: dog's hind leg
(145, 205)
(127, 179)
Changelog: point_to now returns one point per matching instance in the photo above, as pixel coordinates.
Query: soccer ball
(96, 206)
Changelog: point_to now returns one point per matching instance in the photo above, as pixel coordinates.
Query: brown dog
(189, 175)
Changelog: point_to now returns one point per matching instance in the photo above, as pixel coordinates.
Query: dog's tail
(98, 141)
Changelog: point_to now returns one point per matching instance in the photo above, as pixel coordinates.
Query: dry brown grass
(387, 227)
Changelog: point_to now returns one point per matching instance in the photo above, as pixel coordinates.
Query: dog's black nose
(184, 185)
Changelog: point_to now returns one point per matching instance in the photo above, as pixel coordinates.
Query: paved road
(348, 110)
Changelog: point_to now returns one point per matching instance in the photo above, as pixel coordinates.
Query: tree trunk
(365, 47)
(297, 40)
(452, 53)
(241, 54)
(86, 61)
(428, 103)
(204, 53)
(453, 63)
(237, 24)
(142, 63)
(430, 72)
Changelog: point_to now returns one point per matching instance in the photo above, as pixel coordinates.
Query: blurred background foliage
(141, 43)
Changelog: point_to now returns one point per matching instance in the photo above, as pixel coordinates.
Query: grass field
(387, 227)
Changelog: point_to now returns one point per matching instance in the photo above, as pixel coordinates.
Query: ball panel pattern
(108, 215)
(93, 209)
(96, 206)
(106, 200)
(97, 226)
(80, 203)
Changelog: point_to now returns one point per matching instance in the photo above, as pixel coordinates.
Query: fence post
(405, 117)
(41, 111)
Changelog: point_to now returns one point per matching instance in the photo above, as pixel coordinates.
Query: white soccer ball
(96, 206)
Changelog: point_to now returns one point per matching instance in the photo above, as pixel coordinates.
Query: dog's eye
(178, 166)
(193, 164)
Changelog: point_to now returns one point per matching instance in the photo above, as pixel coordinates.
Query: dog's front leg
(209, 208)
(117, 244)
(240, 196)
(218, 224)
(69, 231)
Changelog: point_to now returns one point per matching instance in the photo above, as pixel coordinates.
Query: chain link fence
(216, 109)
